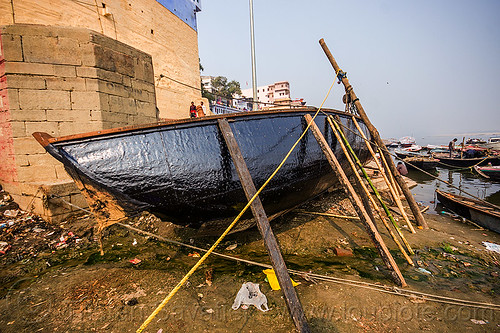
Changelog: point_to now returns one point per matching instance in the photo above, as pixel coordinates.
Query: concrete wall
(63, 81)
(143, 24)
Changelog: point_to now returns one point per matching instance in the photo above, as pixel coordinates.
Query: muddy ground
(53, 278)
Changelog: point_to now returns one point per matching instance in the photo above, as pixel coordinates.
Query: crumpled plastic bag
(250, 294)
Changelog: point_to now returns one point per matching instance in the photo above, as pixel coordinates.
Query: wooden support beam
(395, 196)
(376, 137)
(358, 205)
(366, 193)
(270, 241)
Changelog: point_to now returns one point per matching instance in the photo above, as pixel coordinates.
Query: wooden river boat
(490, 172)
(182, 171)
(457, 162)
(479, 212)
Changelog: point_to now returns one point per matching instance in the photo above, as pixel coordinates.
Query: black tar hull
(183, 172)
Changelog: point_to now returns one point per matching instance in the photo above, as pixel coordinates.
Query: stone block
(115, 117)
(113, 61)
(86, 100)
(146, 109)
(22, 160)
(51, 50)
(44, 99)
(28, 115)
(65, 70)
(11, 46)
(25, 81)
(86, 71)
(79, 116)
(122, 104)
(38, 30)
(112, 88)
(143, 69)
(29, 68)
(92, 84)
(36, 173)
(66, 83)
(61, 173)
(49, 127)
(142, 85)
(18, 129)
(110, 76)
(27, 145)
(70, 128)
(12, 100)
(42, 160)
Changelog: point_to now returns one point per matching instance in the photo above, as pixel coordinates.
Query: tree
(223, 88)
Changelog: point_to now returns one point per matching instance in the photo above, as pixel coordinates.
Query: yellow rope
(202, 259)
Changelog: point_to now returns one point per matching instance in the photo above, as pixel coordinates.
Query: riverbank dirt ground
(53, 278)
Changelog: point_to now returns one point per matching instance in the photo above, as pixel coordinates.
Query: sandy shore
(72, 288)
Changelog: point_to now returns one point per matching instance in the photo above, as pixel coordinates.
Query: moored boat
(489, 171)
(402, 154)
(182, 170)
(407, 141)
(493, 143)
(485, 215)
(457, 162)
(421, 162)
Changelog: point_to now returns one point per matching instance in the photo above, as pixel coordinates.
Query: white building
(276, 93)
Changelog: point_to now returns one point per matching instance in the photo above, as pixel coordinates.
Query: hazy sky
(420, 68)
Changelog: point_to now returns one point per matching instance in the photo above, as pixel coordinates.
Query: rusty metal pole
(376, 137)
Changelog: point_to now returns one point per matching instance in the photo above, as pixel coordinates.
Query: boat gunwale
(46, 139)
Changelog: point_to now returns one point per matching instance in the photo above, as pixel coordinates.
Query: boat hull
(490, 172)
(182, 171)
(471, 209)
(453, 162)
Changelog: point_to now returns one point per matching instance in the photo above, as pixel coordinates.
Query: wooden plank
(378, 140)
(279, 266)
(358, 205)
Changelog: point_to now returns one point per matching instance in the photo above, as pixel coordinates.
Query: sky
(420, 68)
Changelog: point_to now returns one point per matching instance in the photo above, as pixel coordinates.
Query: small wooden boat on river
(456, 162)
(485, 215)
(490, 172)
(421, 162)
(182, 170)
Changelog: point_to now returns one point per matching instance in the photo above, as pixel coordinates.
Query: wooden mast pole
(376, 137)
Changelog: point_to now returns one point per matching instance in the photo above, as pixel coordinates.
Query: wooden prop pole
(367, 193)
(389, 173)
(375, 136)
(279, 266)
(358, 205)
(396, 198)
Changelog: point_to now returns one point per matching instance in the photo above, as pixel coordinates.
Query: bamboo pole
(376, 136)
(367, 193)
(388, 172)
(357, 204)
(396, 198)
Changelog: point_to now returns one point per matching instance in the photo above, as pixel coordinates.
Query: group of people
(197, 111)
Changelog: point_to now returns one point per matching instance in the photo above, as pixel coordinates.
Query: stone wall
(143, 24)
(63, 81)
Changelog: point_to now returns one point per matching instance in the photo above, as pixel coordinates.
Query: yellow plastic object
(273, 280)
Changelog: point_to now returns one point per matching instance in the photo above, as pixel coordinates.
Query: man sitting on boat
(402, 169)
(451, 146)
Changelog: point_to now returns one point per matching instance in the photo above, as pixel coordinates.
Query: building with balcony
(276, 93)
